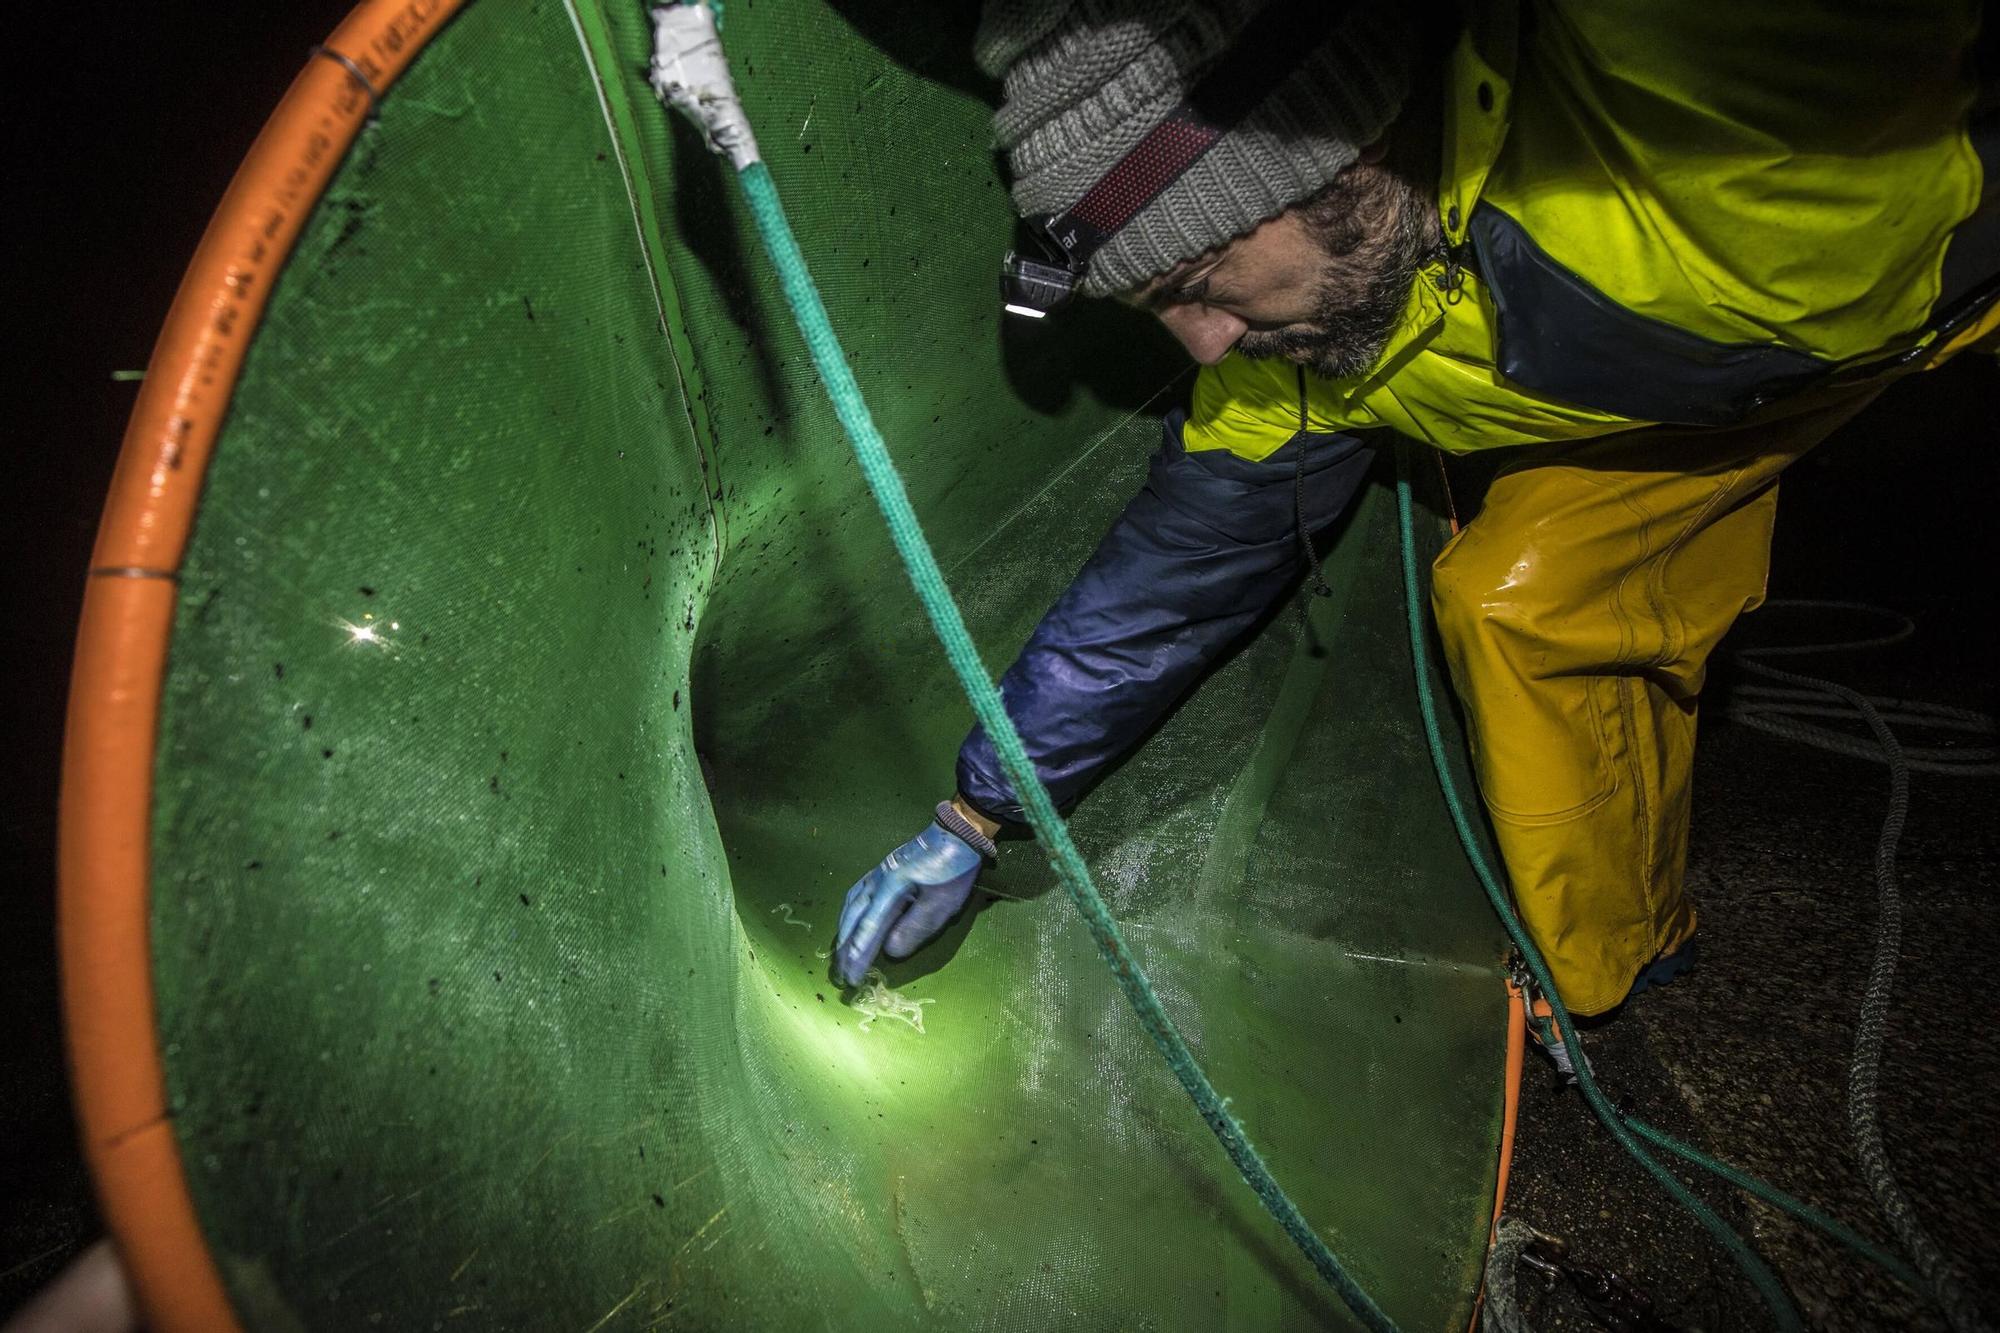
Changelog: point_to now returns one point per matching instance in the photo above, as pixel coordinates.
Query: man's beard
(1375, 232)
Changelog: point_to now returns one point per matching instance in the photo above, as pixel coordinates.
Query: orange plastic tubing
(1510, 1115)
(1517, 1041)
(104, 853)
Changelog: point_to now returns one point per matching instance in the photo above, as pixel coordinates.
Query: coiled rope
(1777, 710)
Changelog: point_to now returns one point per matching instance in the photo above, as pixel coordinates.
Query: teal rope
(872, 453)
(1053, 833)
(1753, 1267)
(928, 579)
(1622, 1129)
(1777, 1198)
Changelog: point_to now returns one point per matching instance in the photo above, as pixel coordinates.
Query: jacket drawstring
(1299, 498)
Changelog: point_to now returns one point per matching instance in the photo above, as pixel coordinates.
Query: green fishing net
(542, 677)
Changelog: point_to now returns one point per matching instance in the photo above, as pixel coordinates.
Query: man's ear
(1373, 153)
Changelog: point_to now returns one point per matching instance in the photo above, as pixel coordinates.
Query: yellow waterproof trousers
(1578, 610)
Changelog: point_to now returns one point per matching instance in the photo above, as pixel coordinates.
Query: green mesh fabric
(543, 677)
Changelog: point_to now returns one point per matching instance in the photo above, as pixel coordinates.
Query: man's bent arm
(1197, 556)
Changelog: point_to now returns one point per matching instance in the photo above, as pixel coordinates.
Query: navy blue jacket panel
(1196, 558)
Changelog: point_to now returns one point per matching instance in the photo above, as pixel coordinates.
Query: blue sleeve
(1196, 558)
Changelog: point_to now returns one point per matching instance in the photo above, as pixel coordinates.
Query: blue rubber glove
(901, 905)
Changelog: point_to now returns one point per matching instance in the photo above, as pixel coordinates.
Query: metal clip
(1615, 1300)
(355, 72)
(1452, 283)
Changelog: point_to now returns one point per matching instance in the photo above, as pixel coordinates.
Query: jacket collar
(1478, 98)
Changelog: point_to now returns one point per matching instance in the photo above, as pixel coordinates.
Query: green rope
(1746, 1259)
(1050, 830)
(1777, 1198)
(761, 193)
(1626, 1131)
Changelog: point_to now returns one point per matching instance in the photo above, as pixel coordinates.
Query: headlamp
(1032, 289)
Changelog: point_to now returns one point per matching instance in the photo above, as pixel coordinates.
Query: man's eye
(1201, 293)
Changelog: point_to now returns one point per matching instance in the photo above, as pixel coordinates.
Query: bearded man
(1651, 254)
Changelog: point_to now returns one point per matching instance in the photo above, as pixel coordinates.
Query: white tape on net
(689, 71)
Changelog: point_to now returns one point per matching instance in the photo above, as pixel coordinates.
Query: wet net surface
(542, 678)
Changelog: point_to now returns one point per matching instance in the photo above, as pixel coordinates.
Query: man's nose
(1206, 333)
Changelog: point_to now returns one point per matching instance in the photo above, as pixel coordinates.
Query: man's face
(1320, 285)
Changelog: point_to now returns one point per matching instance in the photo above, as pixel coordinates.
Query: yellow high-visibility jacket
(1660, 211)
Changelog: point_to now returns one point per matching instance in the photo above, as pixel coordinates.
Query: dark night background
(119, 154)
(116, 168)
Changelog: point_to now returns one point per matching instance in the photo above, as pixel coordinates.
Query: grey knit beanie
(1086, 80)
